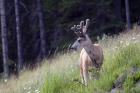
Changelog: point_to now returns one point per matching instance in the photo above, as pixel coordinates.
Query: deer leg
(86, 75)
(81, 73)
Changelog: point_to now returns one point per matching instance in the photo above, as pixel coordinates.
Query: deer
(91, 55)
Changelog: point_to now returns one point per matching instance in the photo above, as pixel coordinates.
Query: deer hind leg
(86, 76)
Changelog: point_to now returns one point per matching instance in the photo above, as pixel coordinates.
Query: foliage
(124, 58)
(61, 74)
(59, 16)
(129, 84)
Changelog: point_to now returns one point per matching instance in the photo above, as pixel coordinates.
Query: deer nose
(72, 48)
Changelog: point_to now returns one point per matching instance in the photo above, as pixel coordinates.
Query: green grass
(61, 74)
(114, 65)
(125, 56)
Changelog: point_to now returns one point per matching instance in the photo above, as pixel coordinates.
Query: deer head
(80, 29)
(83, 39)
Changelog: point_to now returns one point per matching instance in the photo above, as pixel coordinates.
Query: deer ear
(86, 26)
(82, 24)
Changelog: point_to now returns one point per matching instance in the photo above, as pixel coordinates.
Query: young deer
(91, 54)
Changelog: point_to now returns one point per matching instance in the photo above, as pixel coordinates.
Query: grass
(61, 74)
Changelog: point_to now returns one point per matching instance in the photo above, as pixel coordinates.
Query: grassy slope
(121, 52)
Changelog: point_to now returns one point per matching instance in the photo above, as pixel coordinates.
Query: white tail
(91, 54)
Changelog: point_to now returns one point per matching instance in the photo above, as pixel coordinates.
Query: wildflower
(121, 42)
(24, 88)
(133, 38)
(37, 91)
(5, 80)
(29, 87)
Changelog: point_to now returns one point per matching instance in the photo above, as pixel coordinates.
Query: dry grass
(23, 83)
(32, 81)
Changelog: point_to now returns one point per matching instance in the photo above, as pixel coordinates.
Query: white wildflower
(37, 91)
(133, 38)
(127, 43)
(24, 88)
(29, 87)
(121, 42)
(5, 80)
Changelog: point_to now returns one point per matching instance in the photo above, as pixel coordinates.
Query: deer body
(91, 54)
(86, 61)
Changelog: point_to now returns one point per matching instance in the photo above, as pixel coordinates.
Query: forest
(37, 38)
(32, 30)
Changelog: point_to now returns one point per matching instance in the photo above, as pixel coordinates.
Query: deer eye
(79, 40)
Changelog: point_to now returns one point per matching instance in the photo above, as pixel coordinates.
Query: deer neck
(89, 41)
(89, 45)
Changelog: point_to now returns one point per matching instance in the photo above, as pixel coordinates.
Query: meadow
(61, 73)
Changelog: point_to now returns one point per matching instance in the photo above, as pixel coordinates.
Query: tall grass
(61, 74)
(114, 65)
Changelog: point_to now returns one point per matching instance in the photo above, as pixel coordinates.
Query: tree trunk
(127, 15)
(41, 27)
(18, 30)
(117, 9)
(4, 39)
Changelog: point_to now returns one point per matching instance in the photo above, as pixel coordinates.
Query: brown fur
(91, 54)
(86, 62)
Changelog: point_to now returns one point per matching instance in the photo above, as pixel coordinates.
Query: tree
(4, 38)
(18, 30)
(117, 5)
(42, 28)
(127, 14)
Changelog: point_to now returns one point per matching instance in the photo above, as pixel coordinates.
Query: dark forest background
(37, 29)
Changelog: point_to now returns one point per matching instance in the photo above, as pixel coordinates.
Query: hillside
(61, 74)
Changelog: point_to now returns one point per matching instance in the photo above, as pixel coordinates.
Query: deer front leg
(81, 73)
(86, 75)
